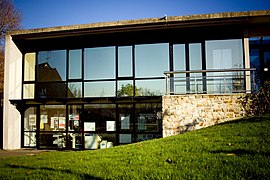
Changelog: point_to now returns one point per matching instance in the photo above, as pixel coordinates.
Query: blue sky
(48, 13)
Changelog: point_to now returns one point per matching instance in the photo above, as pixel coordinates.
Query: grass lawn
(235, 150)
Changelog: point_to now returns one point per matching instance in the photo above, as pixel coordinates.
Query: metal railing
(213, 81)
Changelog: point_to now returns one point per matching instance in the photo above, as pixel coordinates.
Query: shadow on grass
(239, 152)
(67, 171)
(247, 120)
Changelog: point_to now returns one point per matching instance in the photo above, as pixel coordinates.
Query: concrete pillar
(247, 65)
(12, 90)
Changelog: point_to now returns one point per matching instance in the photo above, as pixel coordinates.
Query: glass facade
(98, 97)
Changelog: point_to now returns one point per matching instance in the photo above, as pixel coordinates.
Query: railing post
(168, 84)
(195, 83)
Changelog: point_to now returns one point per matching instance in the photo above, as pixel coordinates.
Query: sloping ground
(234, 150)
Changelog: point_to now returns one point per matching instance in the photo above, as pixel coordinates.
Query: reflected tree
(128, 90)
(74, 90)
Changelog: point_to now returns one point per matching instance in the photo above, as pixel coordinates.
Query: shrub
(258, 103)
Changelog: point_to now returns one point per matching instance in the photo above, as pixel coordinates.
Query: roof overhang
(247, 23)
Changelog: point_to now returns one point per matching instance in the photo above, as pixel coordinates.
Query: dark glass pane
(151, 60)
(100, 117)
(125, 138)
(50, 90)
(145, 137)
(125, 61)
(74, 141)
(52, 140)
(52, 65)
(75, 64)
(99, 63)
(125, 117)
(148, 117)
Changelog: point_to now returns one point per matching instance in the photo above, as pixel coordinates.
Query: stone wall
(182, 113)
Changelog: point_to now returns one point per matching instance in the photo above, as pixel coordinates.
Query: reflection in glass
(51, 90)
(145, 137)
(195, 63)
(125, 116)
(75, 90)
(75, 118)
(179, 57)
(30, 119)
(195, 56)
(52, 118)
(75, 64)
(125, 88)
(125, 138)
(99, 63)
(52, 65)
(74, 141)
(99, 89)
(148, 117)
(150, 87)
(92, 141)
(30, 127)
(98, 115)
(125, 61)
(151, 60)
(30, 139)
(28, 91)
(52, 140)
(179, 60)
(29, 66)
(224, 54)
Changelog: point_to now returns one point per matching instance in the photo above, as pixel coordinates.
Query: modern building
(71, 87)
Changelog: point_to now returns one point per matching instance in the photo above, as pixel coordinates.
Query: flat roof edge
(146, 21)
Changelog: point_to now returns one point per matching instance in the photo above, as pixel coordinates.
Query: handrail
(238, 80)
(209, 70)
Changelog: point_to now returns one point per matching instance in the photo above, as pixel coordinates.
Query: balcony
(212, 81)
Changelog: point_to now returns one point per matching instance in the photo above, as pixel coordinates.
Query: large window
(151, 60)
(224, 54)
(75, 64)
(52, 66)
(99, 63)
(29, 66)
(29, 75)
(51, 74)
(30, 127)
(52, 126)
(125, 65)
(99, 125)
(195, 63)
(179, 64)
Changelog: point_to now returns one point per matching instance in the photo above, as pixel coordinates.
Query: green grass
(235, 150)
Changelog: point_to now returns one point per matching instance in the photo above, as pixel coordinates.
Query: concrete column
(12, 90)
(247, 65)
